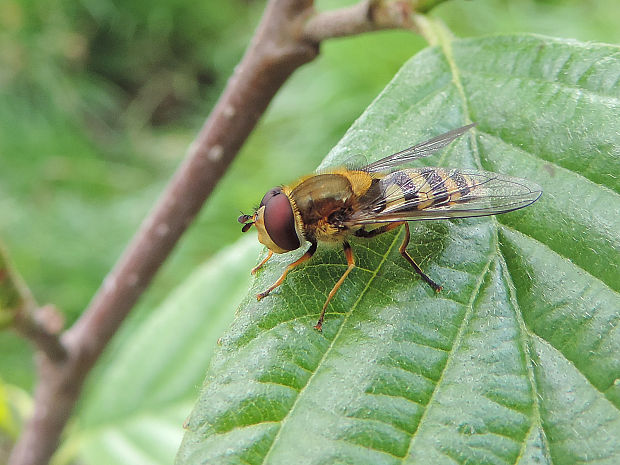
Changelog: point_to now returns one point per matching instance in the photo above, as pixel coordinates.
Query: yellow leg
(305, 257)
(348, 252)
(260, 265)
(403, 251)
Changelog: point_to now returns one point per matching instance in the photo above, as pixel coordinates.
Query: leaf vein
(525, 340)
(365, 447)
(412, 372)
(559, 86)
(457, 342)
(553, 163)
(603, 283)
(375, 420)
(275, 383)
(329, 348)
(396, 397)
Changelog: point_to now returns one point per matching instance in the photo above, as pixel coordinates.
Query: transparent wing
(421, 150)
(437, 193)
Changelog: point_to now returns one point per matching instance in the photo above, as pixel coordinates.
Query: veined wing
(421, 150)
(438, 193)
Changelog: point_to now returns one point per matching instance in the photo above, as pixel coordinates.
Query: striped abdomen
(420, 188)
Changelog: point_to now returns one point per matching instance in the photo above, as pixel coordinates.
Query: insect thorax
(325, 201)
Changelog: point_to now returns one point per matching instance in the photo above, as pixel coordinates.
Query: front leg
(260, 265)
(305, 257)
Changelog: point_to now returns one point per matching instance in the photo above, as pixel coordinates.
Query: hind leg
(403, 251)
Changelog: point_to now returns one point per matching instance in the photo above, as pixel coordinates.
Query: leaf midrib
(445, 44)
(526, 347)
(455, 345)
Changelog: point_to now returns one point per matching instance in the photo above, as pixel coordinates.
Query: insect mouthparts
(246, 220)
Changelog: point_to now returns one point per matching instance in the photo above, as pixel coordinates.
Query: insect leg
(405, 254)
(303, 258)
(260, 265)
(375, 232)
(348, 252)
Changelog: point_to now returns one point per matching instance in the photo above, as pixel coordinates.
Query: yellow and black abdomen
(420, 188)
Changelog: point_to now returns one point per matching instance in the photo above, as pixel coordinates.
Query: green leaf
(516, 361)
(133, 408)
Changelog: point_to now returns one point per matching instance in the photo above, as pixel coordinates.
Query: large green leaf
(517, 360)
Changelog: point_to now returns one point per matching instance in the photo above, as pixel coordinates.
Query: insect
(338, 203)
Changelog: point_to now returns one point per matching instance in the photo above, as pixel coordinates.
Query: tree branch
(366, 16)
(287, 37)
(19, 310)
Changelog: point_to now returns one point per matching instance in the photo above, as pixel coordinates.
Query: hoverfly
(332, 205)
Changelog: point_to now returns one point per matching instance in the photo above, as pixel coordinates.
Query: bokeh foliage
(99, 100)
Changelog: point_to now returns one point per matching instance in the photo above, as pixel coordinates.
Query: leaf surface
(516, 361)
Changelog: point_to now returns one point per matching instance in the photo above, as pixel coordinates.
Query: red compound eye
(270, 193)
(280, 221)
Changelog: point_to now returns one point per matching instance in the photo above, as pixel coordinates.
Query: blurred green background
(99, 100)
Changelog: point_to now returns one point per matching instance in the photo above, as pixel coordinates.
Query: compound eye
(270, 193)
(280, 221)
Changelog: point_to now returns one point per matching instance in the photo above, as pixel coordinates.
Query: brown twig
(287, 37)
(19, 309)
(366, 16)
(34, 324)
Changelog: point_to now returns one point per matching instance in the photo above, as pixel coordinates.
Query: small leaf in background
(8, 424)
(515, 362)
(134, 409)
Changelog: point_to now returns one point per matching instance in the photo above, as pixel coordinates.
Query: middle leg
(260, 265)
(380, 230)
